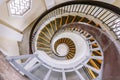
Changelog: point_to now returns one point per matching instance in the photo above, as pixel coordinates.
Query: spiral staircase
(70, 41)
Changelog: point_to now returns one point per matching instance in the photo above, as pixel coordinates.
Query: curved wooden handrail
(95, 3)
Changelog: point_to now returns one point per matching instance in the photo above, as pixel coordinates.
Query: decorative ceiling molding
(19, 7)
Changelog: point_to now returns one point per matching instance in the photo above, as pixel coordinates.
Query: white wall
(10, 33)
(61, 1)
(1, 1)
(52, 3)
(20, 23)
(9, 47)
(107, 1)
(117, 3)
(9, 40)
(49, 3)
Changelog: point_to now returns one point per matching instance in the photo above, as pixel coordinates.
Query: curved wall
(111, 67)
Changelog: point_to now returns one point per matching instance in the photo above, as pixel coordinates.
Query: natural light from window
(19, 7)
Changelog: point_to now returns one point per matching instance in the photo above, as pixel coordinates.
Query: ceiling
(22, 22)
(107, 1)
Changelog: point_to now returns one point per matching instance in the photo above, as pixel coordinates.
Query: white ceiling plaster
(107, 1)
(20, 23)
(1, 1)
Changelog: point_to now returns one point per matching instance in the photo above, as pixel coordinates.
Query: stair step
(42, 44)
(86, 73)
(53, 25)
(46, 32)
(43, 38)
(50, 29)
(97, 52)
(84, 19)
(93, 64)
(77, 19)
(57, 23)
(64, 19)
(70, 19)
(92, 23)
(95, 45)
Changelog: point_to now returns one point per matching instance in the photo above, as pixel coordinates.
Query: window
(19, 7)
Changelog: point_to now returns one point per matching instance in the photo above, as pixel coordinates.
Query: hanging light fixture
(19, 7)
